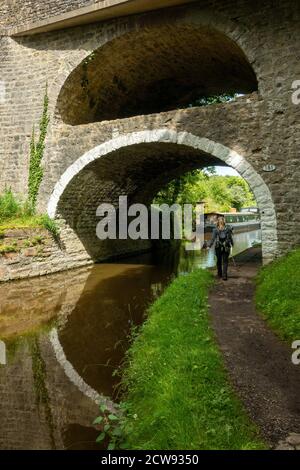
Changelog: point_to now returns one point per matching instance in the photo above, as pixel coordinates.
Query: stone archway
(183, 139)
(154, 70)
(219, 45)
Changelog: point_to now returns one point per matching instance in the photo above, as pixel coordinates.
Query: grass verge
(177, 394)
(18, 214)
(30, 222)
(278, 295)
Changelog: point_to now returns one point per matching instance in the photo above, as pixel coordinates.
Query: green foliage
(35, 241)
(215, 99)
(189, 188)
(278, 295)
(240, 193)
(9, 205)
(36, 155)
(111, 426)
(85, 79)
(13, 207)
(38, 240)
(220, 193)
(40, 387)
(176, 390)
(8, 249)
(14, 213)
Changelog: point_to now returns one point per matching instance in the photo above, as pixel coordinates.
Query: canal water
(65, 336)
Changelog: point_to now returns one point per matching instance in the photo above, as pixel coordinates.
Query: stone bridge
(120, 77)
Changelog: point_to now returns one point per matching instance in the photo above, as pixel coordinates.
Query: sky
(226, 170)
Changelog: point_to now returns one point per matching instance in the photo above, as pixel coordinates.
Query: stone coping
(107, 9)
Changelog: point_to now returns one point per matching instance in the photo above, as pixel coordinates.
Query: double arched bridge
(120, 77)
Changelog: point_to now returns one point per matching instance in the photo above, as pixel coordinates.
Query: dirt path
(259, 363)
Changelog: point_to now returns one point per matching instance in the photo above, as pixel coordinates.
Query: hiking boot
(224, 278)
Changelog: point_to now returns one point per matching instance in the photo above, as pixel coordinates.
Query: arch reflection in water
(115, 298)
(93, 310)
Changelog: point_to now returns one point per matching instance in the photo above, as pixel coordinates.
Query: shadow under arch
(81, 184)
(90, 343)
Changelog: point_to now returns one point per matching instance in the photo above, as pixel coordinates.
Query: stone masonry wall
(19, 12)
(34, 252)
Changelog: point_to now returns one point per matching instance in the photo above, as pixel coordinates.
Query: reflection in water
(187, 261)
(113, 300)
(48, 392)
(78, 437)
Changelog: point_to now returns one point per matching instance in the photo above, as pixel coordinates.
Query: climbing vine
(40, 387)
(85, 80)
(36, 154)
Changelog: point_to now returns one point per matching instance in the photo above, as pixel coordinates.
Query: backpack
(224, 239)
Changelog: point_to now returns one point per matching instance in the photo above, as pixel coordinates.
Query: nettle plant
(111, 426)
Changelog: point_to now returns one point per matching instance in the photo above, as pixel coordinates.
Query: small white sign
(2, 353)
(269, 167)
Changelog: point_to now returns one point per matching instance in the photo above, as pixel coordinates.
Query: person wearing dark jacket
(222, 237)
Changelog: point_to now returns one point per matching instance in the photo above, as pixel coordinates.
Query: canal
(79, 324)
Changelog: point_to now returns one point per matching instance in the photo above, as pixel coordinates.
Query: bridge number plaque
(269, 167)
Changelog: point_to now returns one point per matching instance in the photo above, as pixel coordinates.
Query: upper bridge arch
(155, 63)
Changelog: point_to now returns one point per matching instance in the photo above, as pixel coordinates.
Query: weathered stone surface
(284, 446)
(46, 258)
(16, 12)
(294, 439)
(291, 442)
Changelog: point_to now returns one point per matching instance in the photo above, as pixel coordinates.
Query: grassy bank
(30, 221)
(18, 214)
(278, 295)
(177, 392)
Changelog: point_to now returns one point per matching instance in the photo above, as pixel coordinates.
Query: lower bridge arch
(133, 162)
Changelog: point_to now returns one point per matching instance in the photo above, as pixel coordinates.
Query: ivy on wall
(36, 154)
(85, 79)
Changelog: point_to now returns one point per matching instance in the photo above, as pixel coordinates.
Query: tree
(220, 193)
(241, 193)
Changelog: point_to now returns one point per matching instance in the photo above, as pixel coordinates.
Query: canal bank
(176, 391)
(163, 408)
(28, 253)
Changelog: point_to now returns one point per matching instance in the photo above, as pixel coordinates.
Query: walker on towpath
(259, 363)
